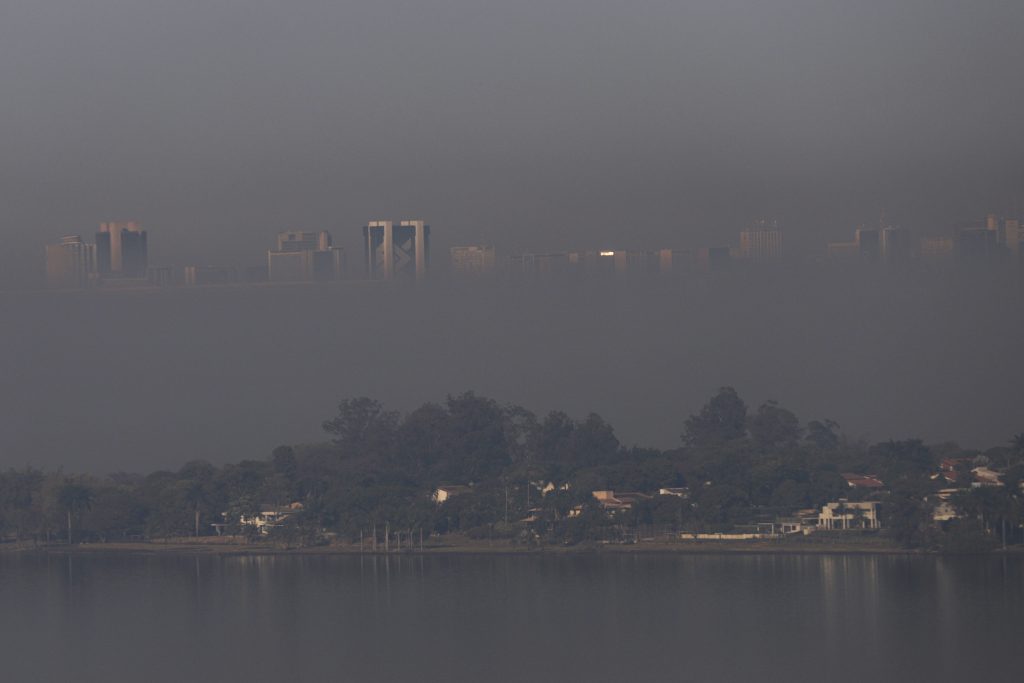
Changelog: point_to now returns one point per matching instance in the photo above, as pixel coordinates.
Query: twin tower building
(120, 255)
(390, 251)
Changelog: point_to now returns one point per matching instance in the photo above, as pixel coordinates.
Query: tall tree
(363, 428)
(73, 498)
(774, 427)
(723, 418)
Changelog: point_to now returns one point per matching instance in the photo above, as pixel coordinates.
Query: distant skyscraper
(392, 252)
(305, 257)
(869, 243)
(122, 249)
(897, 245)
(761, 241)
(1012, 238)
(72, 263)
(472, 260)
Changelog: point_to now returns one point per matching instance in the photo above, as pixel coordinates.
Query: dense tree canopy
(531, 477)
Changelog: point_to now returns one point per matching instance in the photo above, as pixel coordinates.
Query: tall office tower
(392, 252)
(761, 241)
(472, 260)
(121, 248)
(305, 257)
(897, 245)
(1012, 238)
(71, 263)
(992, 222)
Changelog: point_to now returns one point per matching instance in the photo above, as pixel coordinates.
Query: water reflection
(600, 618)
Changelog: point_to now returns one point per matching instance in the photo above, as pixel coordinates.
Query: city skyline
(312, 256)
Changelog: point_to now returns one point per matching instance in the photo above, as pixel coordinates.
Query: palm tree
(74, 498)
(197, 497)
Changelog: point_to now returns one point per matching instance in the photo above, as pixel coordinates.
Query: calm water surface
(620, 618)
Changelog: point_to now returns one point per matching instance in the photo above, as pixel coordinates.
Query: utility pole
(374, 537)
(387, 537)
(506, 505)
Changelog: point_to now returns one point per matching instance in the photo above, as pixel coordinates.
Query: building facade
(305, 257)
(473, 260)
(396, 251)
(71, 263)
(122, 249)
(762, 241)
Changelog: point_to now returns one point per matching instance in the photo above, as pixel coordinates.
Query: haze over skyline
(532, 126)
(527, 125)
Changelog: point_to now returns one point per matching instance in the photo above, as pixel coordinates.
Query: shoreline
(190, 548)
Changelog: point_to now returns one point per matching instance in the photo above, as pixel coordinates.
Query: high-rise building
(305, 257)
(869, 243)
(897, 245)
(122, 249)
(1012, 238)
(975, 242)
(473, 260)
(761, 241)
(71, 263)
(392, 252)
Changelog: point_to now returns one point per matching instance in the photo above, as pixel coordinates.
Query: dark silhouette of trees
(722, 419)
(74, 498)
(529, 479)
(774, 427)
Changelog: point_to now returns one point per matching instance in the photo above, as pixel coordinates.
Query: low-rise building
(270, 517)
(844, 515)
(862, 481)
(610, 501)
(445, 493)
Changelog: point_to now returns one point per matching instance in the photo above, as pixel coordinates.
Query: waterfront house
(845, 515)
(612, 502)
(445, 493)
(270, 517)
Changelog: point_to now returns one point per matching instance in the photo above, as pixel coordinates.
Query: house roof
(455, 488)
(863, 481)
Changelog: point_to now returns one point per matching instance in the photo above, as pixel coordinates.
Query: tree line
(379, 467)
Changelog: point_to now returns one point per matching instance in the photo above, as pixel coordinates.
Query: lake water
(511, 618)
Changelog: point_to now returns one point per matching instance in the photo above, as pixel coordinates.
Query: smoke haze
(531, 125)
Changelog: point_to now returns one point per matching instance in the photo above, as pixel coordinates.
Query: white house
(270, 516)
(444, 493)
(844, 515)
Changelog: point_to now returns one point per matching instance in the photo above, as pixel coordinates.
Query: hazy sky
(530, 124)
